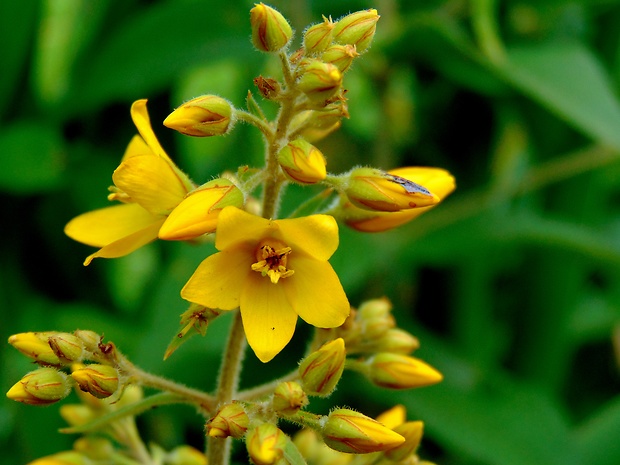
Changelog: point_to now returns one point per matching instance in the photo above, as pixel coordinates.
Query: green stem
(219, 449)
(264, 127)
(265, 389)
(485, 28)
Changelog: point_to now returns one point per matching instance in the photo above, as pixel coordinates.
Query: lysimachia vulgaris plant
(267, 270)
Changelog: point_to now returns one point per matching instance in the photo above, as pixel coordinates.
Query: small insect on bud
(321, 370)
(341, 56)
(396, 371)
(265, 444)
(302, 162)
(67, 347)
(99, 380)
(198, 212)
(357, 29)
(185, 455)
(204, 116)
(320, 81)
(318, 37)
(41, 387)
(35, 346)
(289, 398)
(374, 189)
(271, 32)
(352, 432)
(230, 420)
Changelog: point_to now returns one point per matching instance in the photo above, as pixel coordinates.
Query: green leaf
(32, 158)
(597, 438)
(568, 79)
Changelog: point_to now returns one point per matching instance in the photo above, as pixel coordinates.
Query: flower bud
(99, 380)
(77, 414)
(376, 317)
(341, 56)
(318, 37)
(412, 431)
(397, 341)
(357, 29)
(397, 371)
(352, 432)
(67, 347)
(289, 398)
(185, 455)
(271, 32)
(69, 457)
(198, 212)
(321, 370)
(314, 125)
(204, 116)
(41, 387)
(265, 444)
(375, 189)
(436, 180)
(320, 81)
(314, 450)
(393, 417)
(90, 339)
(230, 420)
(35, 346)
(302, 162)
(94, 448)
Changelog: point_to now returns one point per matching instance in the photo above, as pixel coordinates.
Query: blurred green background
(512, 285)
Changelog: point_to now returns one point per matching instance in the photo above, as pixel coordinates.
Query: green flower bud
(318, 37)
(321, 370)
(67, 347)
(90, 339)
(41, 387)
(265, 444)
(302, 162)
(35, 346)
(396, 371)
(357, 29)
(198, 212)
(320, 81)
(341, 56)
(289, 398)
(271, 32)
(374, 189)
(208, 115)
(99, 380)
(230, 420)
(354, 433)
(397, 341)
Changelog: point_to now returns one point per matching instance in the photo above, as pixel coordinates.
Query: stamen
(272, 259)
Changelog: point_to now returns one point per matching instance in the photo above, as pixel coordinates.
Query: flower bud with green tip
(357, 29)
(44, 386)
(341, 56)
(271, 32)
(302, 162)
(321, 370)
(320, 81)
(205, 116)
(99, 380)
(318, 37)
(67, 347)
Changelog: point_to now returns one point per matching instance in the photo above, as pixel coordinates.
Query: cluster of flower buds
(57, 350)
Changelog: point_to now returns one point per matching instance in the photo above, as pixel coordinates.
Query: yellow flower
(148, 184)
(436, 180)
(273, 270)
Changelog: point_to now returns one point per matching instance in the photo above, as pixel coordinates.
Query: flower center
(271, 260)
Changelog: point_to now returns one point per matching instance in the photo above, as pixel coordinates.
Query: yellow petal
(127, 244)
(268, 318)
(393, 417)
(140, 117)
(236, 227)
(315, 293)
(316, 235)
(137, 146)
(439, 181)
(219, 279)
(150, 182)
(106, 225)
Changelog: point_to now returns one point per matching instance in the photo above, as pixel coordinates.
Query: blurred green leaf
(597, 438)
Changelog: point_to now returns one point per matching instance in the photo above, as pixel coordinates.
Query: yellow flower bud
(289, 398)
(374, 189)
(67, 347)
(265, 444)
(320, 81)
(357, 29)
(341, 56)
(440, 182)
(185, 455)
(198, 212)
(397, 341)
(77, 414)
(271, 32)
(208, 115)
(99, 380)
(94, 448)
(393, 417)
(321, 370)
(35, 346)
(412, 431)
(69, 457)
(375, 317)
(396, 371)
(302, 162)
(318, 37)
(314, 125)
(90, 339)
(41, 387)
(230, 420)
(352, 432)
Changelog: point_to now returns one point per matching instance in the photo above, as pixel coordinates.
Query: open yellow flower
(148, 184)
(273, 270)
